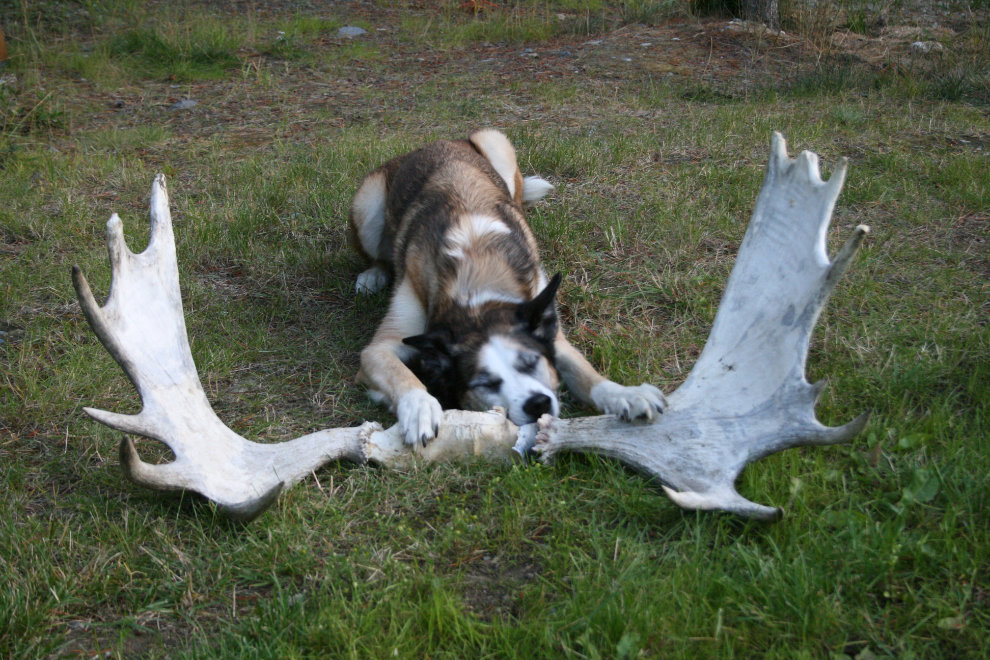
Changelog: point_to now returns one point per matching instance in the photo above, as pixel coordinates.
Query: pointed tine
(245, 512)
(724, 499)
(848, 251)
(126, 423)
(778, 152)
(838, 177)
(844, 258)
(778, 146)
(90, 308)
(818, 388)
(822, 435)
(141, 473)
(161, 216)
(809, 167)
(116, 245)
(855, 427)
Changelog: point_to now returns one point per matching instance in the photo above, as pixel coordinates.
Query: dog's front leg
(639, 402)
(383, 371)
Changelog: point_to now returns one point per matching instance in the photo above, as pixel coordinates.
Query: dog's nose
(538, 405)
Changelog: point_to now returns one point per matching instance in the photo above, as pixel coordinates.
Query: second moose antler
(746, 398)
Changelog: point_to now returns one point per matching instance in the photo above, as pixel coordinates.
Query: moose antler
(143, 328)
(747, 396)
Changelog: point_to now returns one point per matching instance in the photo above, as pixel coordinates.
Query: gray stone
(927, 46)
(184, 104)
(351, 31)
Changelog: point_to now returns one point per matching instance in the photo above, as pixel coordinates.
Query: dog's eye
(526, 363)
(490, 383)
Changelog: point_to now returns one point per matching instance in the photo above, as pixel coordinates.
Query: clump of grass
(829, 77)
(26, 116)
(847, 115)
(203, 53)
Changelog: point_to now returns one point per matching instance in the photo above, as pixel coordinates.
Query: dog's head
(506, 359)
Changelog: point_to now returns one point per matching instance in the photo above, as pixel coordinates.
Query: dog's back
(448, 216)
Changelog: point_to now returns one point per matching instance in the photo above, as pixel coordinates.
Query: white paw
(638, 403)
(419, 416)
(371, 281)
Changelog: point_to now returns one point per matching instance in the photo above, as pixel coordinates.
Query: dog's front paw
(371, 281)
(419, 416)
(638, 403)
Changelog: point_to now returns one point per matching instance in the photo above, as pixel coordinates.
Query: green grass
(886, 543)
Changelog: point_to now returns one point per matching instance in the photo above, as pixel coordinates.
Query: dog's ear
(433, 363)
(435, 341)
(539, 315)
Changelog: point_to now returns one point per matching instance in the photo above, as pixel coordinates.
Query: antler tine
(723, 499)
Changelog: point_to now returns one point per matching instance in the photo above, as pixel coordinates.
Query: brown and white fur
(472, 321)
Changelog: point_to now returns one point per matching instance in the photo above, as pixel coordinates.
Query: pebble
(184, 104)
(351, 31)
(927, 46)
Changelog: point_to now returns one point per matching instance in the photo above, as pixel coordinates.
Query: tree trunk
(764, 11)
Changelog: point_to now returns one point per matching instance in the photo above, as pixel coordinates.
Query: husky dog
(472, 322)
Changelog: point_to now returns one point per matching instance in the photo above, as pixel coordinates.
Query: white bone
(746, 398)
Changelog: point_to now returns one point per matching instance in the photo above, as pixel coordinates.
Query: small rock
(927, 46)
(646, 45)
(184, 104)
(351, 31)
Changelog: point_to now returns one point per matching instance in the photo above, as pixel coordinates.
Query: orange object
(3, 46)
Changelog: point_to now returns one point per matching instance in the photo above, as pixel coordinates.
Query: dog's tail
(497, 149)
(534, 189)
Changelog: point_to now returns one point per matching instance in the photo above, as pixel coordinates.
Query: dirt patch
(491, 586)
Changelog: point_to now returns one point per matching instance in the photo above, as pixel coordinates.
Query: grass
(885, 547)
